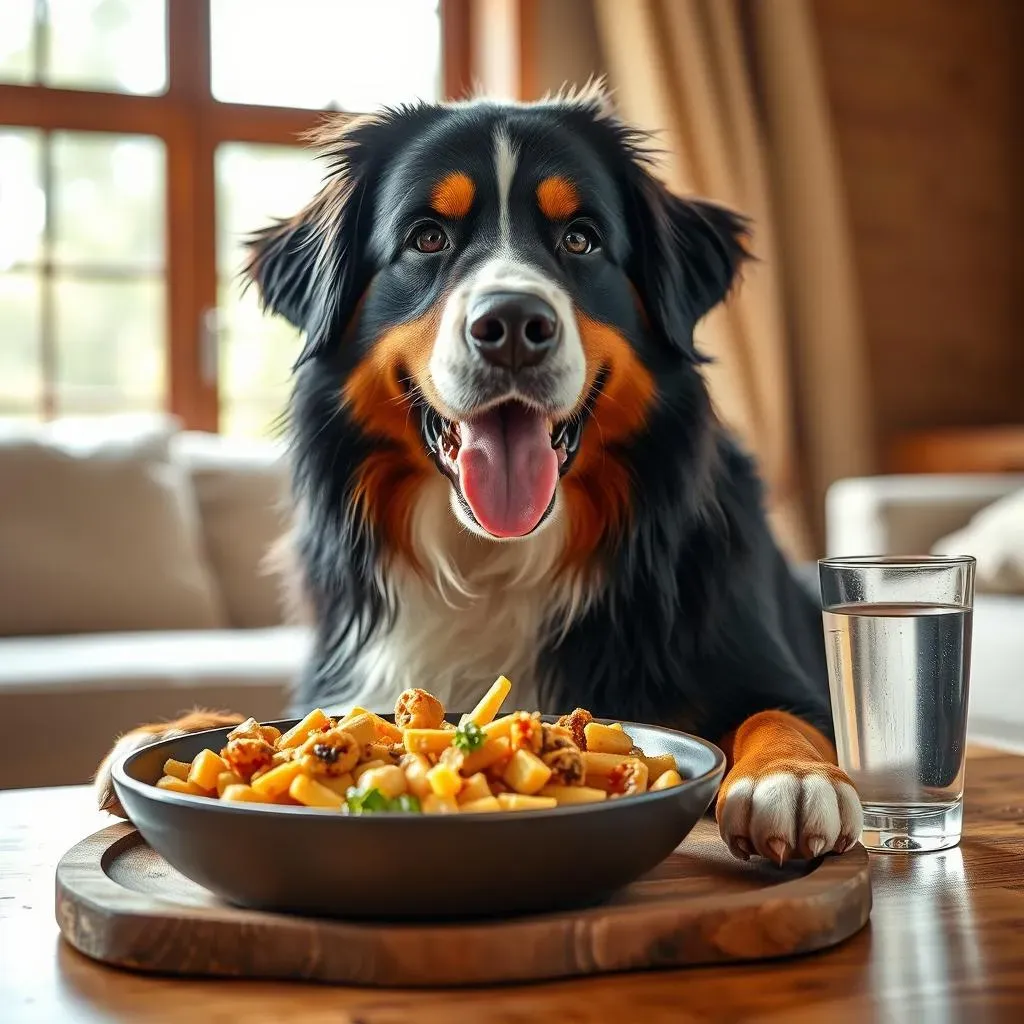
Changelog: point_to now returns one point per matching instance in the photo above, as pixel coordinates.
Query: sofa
(133, 584)
(133, 587)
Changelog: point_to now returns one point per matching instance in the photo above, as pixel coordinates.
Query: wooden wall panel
(927, 97)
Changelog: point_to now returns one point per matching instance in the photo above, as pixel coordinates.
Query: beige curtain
(790, 373)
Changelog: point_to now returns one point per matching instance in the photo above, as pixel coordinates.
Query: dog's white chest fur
(478, 609)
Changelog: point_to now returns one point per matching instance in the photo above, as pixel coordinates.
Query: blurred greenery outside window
(91, 314)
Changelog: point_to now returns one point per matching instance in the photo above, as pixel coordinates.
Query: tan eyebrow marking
(453, 195)
(557, 198)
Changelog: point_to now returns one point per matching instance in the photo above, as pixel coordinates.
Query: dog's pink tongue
(508, 469)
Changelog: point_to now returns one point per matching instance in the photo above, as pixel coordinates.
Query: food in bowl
(362, 763)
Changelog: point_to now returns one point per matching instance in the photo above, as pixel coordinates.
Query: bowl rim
(149, 791)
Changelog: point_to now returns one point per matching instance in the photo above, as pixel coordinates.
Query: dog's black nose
(512, 329)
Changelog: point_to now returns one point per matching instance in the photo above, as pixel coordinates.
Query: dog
(505, 460)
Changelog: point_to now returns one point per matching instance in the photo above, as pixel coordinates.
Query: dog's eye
(429, 238)
(580, 239)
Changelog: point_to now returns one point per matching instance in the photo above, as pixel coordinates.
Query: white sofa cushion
(995, 536)
(186, 659)
(99, 530)
(241, 487)
(64, 700)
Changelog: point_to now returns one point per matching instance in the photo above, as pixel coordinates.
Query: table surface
(945, 943)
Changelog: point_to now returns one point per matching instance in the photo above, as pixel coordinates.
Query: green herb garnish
(373, 801)
(406, 802)
(365, 801)
(469, 737)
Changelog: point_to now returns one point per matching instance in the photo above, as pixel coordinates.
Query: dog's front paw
(196, 721)
(788, 809)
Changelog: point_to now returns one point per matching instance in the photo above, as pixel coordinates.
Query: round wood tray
(119, 902)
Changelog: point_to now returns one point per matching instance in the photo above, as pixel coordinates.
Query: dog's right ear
(308, 268)
(281, 263)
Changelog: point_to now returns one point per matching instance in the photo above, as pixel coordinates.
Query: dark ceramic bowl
(395, 866)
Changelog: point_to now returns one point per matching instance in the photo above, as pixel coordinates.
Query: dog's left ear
(687, 255)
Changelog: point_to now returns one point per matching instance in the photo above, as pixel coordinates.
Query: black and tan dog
(505, 459)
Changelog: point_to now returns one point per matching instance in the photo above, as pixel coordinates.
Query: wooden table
(945, 943)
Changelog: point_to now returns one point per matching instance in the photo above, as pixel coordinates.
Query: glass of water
(898, 642)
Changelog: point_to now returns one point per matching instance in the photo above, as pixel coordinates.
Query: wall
(926, 96)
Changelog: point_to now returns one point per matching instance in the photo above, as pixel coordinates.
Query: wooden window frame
(192, 124)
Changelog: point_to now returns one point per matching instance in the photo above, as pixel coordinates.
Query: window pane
(110, 345)
(108, 200)
(22, 200)
(17, 18)
(343, 54)
(109, 45)
(256, 355)
(254, 185)
(20, 364)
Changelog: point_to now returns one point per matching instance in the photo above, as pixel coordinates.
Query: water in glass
(898, 675)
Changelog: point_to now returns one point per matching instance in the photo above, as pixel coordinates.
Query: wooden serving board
(119, 902)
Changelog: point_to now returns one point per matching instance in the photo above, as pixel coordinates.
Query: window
(255, 352)
(337, 67)
(140, 141)
(82, 220)
(109, 45)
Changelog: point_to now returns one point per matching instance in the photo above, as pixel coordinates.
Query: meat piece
(245, 755)
(331, 753)
(628, 779)
(526, 732)
(417, 709)
(576, 722)
(566, 764)
(556, 737)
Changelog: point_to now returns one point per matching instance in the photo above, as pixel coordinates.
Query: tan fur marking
(597, 489)
(453, 195)
(389, 478)
(557, 198)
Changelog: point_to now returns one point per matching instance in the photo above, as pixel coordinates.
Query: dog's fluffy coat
(649, 588)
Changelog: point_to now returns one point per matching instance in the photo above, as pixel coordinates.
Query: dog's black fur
(698, 622)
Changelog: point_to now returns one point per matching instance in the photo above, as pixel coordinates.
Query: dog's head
(502, 294)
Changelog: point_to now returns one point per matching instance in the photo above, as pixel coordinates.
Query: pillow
(99, 530)
(242, 490)
(995, 536)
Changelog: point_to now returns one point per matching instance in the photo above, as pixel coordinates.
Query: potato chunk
(205, 768)
(526, 773)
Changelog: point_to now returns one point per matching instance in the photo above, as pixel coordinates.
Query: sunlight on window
(17, 21)
(22, 200)
(255, 184)
(330, 54)
(109, 203)
(106, 45)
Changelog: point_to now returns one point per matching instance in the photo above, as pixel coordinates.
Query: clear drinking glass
(898, 642)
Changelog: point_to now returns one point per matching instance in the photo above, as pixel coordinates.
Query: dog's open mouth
(504, 463)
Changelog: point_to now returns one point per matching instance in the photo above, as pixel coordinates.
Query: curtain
(741, 112)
